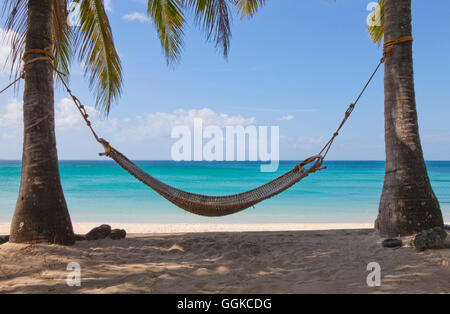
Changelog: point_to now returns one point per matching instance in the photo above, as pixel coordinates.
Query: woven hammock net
(212, 206)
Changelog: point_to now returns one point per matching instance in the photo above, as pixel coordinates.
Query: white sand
(332, 261)
(84, 227)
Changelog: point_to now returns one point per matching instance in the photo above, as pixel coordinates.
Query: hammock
(215, 206)
(204, 205)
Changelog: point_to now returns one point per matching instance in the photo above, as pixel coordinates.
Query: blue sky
(296, 64)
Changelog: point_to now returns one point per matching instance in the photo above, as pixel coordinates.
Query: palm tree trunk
(408, 203)
(41, 213)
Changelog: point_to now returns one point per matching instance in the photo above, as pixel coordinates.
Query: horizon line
(254, 161)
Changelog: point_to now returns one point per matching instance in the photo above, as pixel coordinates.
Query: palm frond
(248, 8)
(214, 17)
(376, 30)
(168, 17)
(16, 21)
(16, 26)
(97, 52)
(62, 38)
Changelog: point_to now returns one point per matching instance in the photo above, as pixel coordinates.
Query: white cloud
(136, 16)
(108, 5)
(11, 114)
(302, 142)
(10, 124)
(160, 124)
(286, 118)
(310, 139)
(67, 115)
(5, 50)
(306, 110)
(154, 125)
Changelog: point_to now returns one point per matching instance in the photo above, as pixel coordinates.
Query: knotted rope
(387, 48)
(389, 45)
(81, 108)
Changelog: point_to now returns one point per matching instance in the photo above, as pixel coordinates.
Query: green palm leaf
(93, 39)
(62, 38)
(16, 24)
(213, 16)
(376, 31)
(169, 20)
(98, 53)
(248, 7)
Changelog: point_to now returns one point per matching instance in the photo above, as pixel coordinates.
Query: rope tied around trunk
(47, 57)
(81, 108)
(389, 45)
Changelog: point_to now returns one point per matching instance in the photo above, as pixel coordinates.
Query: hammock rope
(205, 205)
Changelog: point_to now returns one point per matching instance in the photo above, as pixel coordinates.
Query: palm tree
(40, 29)
(408, 203)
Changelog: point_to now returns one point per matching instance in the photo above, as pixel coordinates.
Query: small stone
(117, 234)
(391, 243)
(80, 237)
(99, 232)
(430, 239)
(4, 239)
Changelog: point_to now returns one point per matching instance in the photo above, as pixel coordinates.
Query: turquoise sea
(100, 191)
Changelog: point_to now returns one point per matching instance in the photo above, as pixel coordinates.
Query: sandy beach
(205, 259)
(84, 227)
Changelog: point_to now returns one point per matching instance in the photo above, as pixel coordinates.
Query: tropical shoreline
(327, 261)
(225, 258)
(280, 171)
(135, 228)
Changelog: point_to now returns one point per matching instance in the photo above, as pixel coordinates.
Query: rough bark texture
(41, 213)
(408, 203)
